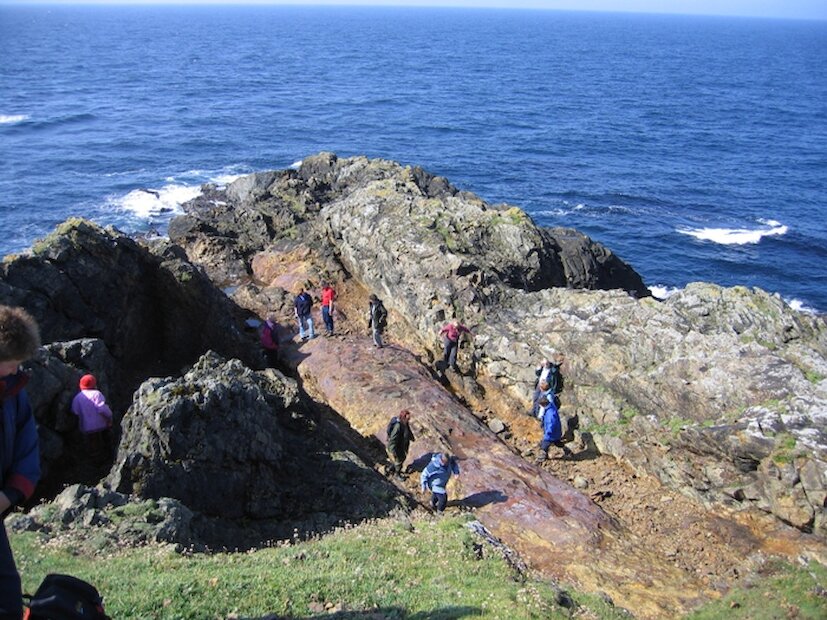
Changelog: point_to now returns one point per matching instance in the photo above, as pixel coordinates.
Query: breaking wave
(737, 236)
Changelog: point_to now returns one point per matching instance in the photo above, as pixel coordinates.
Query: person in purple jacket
(19, 448)
(94, 417)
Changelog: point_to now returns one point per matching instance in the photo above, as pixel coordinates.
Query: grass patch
(813, 376)
(430, 570)
(784, 451)
(784, 591)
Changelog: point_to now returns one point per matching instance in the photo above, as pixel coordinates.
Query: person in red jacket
(328, 295)
(451, 333)
(19, 449)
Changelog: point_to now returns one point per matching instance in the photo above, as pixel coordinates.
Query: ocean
(695, 148)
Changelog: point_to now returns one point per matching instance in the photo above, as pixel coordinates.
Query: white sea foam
(797, 304)
(296, 164)
(12, 119)
(663, 292)
(736, 236)
(149, 203)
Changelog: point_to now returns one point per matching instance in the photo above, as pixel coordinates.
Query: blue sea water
(695, 148)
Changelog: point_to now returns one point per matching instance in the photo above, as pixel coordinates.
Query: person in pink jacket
(94, 417)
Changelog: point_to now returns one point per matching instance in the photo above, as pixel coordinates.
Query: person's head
(545, 363)
(404, 416)
(325, 284)
(558, 358)
(88, 382)
(271, 318)
(445, 458)
(544, 386)
(373, 298)
(543, 401)
(19, 338)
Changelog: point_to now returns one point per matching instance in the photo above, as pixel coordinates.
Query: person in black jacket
(304, 305)
(400, 437)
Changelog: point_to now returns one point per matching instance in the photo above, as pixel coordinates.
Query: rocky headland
(698, 422)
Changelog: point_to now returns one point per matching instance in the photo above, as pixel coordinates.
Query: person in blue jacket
(552, 429)
(435, 477)
(19, 449)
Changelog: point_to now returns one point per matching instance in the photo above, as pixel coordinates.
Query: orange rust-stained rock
(555, 528)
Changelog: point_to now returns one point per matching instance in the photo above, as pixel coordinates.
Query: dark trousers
(272, 356)
(439, 501)
(11, 597)
(450, 356)
(328, 319)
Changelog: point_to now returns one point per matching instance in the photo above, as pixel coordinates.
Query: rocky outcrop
(237, 447)
(445, 228)
(671, 387)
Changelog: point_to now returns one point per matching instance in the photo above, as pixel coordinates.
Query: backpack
(381, 316)
(394, 420)
(63, 597)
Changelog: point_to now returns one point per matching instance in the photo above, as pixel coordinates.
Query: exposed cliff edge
(719, 393)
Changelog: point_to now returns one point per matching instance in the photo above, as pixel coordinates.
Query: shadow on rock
(478, 500)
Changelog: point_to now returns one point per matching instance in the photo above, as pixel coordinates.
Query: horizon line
(409, 4)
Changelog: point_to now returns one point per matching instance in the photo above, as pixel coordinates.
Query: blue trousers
(328, 319)
(439, 501)
(11, 597)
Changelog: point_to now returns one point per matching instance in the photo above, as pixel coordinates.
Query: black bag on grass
(63, 597)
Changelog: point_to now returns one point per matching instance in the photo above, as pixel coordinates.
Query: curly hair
(19, 334)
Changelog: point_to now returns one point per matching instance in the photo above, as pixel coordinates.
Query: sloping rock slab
(557, 529)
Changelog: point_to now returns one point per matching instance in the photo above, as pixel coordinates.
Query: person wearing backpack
(377, 320)
(549, 371)
(436, 476)
(400, 437)
(19, 449)
(304, 305)
(269, 339)
(552, 429)
(451, 333)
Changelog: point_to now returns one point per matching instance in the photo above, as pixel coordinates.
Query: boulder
(240, 449)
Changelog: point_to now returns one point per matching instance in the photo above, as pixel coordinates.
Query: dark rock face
(229, 444)
(154, 311)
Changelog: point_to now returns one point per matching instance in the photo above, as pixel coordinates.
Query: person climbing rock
(552, 429)
(94, 418)
(400, 437)
(549, 371)
(451, 334)
(304, 305)
(543, 389)
(377, 320)
(328, 297)
(269, 339)
(436, 476)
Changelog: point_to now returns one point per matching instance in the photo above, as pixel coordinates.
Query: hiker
(94, 418)
(400, 437)
(435, 477)
(328, 295)
(543, 389)
(304, 304)
(377, 320)
(552, 429)
(451, 333)
(549, 371)
(19, 450)
(269, 339)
